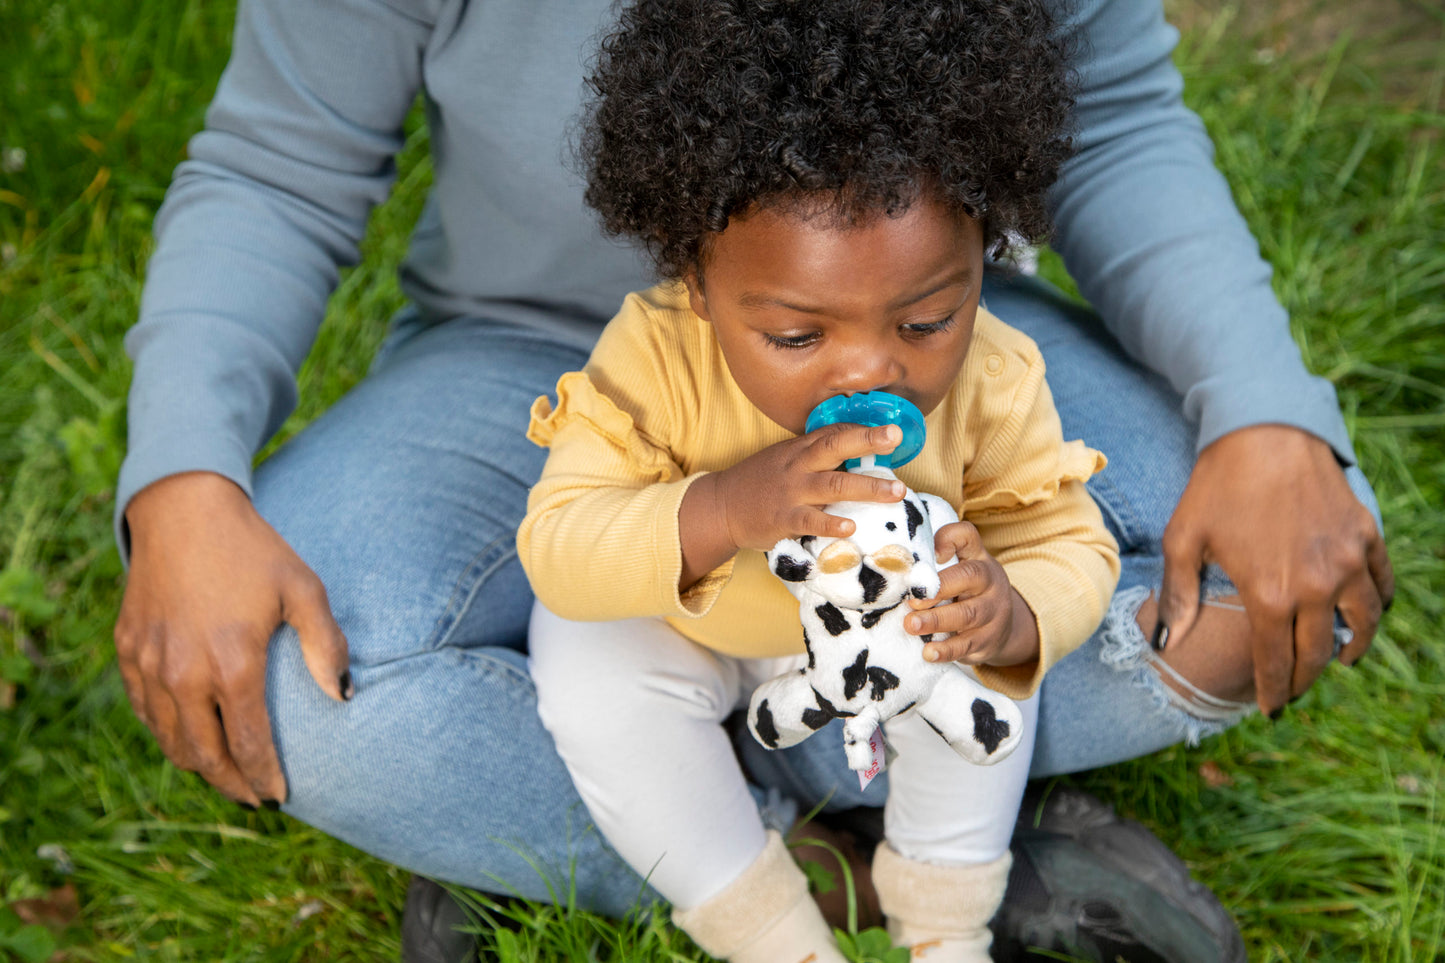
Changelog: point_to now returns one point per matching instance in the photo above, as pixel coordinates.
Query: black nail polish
(271, 804)
(348, 688)
(1161, 637)
(1274, 716)
(247, 806)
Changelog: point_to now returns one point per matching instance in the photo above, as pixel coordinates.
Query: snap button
(993, 364)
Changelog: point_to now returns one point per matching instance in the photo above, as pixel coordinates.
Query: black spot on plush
(988, 728)
(855, 677)
(882, 680)
(807, 540)
(808, 644)
(871, 617)
(873, 582)
(829, 708)
(891, 526)
(766, 729)
(790, 569)
(816, 719)
(915, 517)
(918, 592)
(833, 618)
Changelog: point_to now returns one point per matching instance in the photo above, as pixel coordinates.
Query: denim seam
(1115, 504)
(483, 565)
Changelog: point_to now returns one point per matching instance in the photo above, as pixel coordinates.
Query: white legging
(636, 712)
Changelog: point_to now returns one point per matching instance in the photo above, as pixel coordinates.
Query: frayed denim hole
(1124, 649)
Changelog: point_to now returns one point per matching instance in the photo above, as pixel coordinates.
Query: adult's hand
(1270, 505)
(209, 583)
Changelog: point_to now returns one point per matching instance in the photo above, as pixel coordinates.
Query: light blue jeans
(404, 498)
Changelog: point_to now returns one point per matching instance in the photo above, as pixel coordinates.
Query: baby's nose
(864, 371)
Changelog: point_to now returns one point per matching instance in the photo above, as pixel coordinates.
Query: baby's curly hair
(707, 108)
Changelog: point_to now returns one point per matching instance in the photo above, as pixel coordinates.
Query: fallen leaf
(56, 910)
(1213, 776)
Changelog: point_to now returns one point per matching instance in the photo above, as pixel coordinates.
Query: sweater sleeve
(272, 200)
(1149, 230)
(600, 539)
(1025, 495)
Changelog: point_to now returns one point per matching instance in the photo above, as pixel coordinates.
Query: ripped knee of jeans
(1125, 649)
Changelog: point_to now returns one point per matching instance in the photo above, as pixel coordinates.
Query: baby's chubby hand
(984, 620)
(781, 491)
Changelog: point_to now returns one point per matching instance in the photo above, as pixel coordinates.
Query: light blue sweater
(299, 146)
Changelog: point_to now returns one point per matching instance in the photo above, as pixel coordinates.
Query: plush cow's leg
(856, 733)
(981, 725)
(786, 710)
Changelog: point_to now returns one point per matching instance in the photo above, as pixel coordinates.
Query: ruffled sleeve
(581, 405)
(600, 540)
(1025, 494)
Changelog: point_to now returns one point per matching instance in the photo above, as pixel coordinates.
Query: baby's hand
(780, 492)
(986, 621)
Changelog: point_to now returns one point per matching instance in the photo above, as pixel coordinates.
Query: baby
(820, 183)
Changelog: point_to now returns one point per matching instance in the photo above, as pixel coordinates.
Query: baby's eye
(792, 340)
(923, 330)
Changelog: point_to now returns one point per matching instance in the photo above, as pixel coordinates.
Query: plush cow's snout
(892, 558)
(839, 557)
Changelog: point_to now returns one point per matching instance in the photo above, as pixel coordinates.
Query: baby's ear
(696, 298)
(790, 561)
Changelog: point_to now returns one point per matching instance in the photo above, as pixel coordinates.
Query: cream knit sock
(941, 911)
(763, 916)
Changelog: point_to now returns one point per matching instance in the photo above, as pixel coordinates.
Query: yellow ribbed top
(656, 407)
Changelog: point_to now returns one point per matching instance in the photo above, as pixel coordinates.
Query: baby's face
(805, 308)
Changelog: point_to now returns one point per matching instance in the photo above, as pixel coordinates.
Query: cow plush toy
(862, 666)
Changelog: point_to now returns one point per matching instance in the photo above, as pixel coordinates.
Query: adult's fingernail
(348, 688)
(271, 804)
(1161, 637)
(1274, 716)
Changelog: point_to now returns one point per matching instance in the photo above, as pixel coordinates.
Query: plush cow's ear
(791, 569)
(790, 561)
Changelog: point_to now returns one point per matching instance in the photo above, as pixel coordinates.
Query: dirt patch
(1400, 44)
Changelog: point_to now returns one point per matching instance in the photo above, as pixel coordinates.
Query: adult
(342, 631)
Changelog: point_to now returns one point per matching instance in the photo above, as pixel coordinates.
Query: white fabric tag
(880, 754)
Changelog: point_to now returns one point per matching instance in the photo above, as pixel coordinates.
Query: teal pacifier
(873, 408)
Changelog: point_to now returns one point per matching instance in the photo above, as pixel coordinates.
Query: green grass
(1324, 835)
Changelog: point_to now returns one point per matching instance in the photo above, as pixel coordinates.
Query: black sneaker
(429, 925)
(1086, 883)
